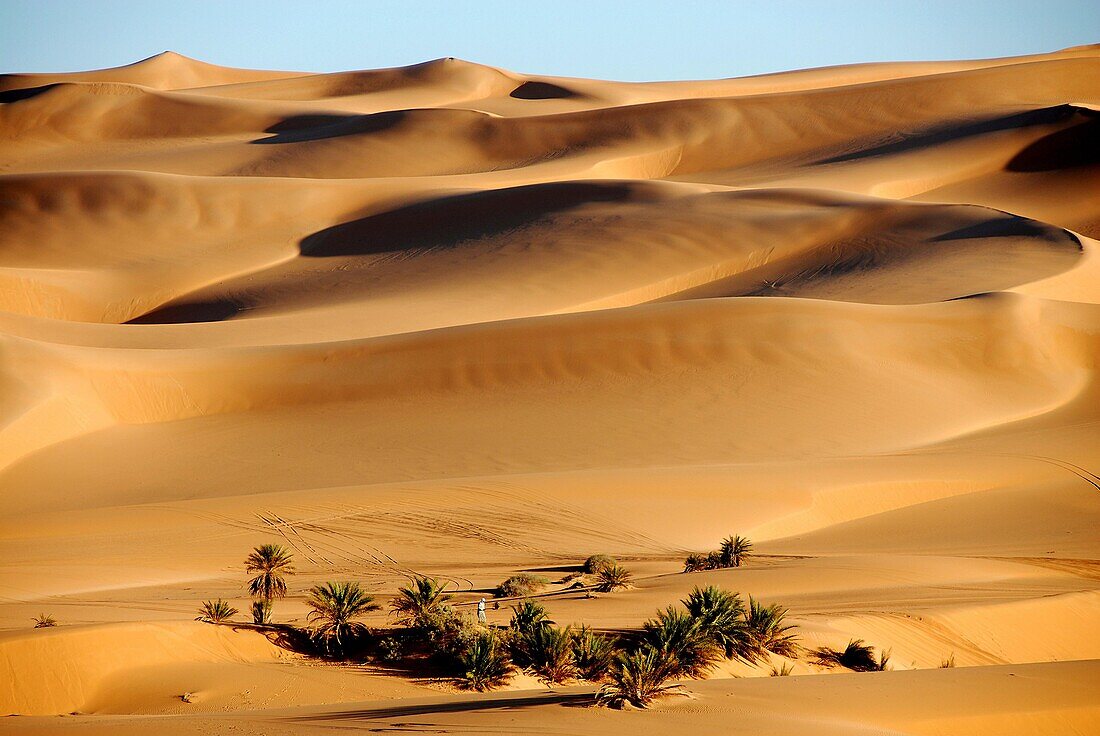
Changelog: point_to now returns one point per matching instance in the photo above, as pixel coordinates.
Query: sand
(454, 320)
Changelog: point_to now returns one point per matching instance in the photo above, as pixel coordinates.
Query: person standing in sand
(481, 611)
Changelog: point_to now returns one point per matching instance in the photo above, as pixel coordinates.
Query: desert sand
(453, 320)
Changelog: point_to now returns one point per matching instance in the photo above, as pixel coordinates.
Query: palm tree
(612, 578)
(695, 562)
(270, 563)
(720, 615)
(335, 608)
(528, 616)
(594, 654)
(215, 612)
(734, 550)
(681, 638)
(638, 678)
(484, 663)
(769, 631)
(261, 612)
(420, 601)
(44, 621)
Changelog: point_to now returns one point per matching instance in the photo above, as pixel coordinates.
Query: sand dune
(456, 320)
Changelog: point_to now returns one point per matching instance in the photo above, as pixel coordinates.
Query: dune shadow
(449, 220)
(176, 313)
(506, 702)
(957, 131)
(1007, 227)
(25, 93)
(542, 91)
(303, 128)
(1070, 148)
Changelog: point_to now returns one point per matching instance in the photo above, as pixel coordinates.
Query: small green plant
(521, 585)
(417, 603)
(782, 671)
(615, 577)
(549, 654)
(389, 649)
(594, 654)
(638, 678)
(595, 563)
(680, 637)
(216, 612)
(44, 621)
(857, 656)
(768, 630)
(695, 562)
(336, 606)
(484, 662)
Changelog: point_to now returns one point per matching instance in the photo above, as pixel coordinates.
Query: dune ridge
(456, 320)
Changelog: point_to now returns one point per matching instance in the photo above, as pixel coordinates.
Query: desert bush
(680, 637)
(782, 671)
(695, 562)
(336, 606)
(595, 563)
(638, 678)
(521, 585)
(594, 654)
(484, 662)
(857, 656)
(714, 560)
(270, 564)
(949, 662)
(215, 612)
(615, 577)
(261, 612)
(44, 621)
(447, 634)
(720, 615)
(734, 550)
(768, 630)
(417, 603)
(549, 653)
(390, 649)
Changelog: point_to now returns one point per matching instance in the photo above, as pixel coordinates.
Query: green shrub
(695, 562)
(613, 578)
(528, 616)
(549, 654)
(594, 654)
(769, 631)
(215, 612)
(521, 585)
(734, 550)
(595, 563)
(484, 662)
(857, 656)
(417, 603)
(638, 678)
(44, 621)
(680, 637)
(782, 671)
(720, 615)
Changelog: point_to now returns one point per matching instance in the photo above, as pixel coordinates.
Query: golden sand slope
(456, 320)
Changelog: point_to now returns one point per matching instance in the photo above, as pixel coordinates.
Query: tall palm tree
(720, 614)
(335, 608)
(269, 563)
(734, 550)
(420, 601)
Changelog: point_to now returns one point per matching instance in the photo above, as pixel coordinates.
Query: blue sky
(637, 40)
